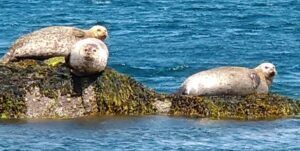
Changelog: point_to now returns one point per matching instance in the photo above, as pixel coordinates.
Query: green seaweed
(55, 61)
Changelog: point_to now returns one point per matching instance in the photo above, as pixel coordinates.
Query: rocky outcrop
(34, 89)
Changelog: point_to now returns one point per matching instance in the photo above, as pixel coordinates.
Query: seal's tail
(180, 91)
(6, 58)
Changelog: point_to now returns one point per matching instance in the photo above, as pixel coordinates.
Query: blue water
(150, 133)
(160, 43)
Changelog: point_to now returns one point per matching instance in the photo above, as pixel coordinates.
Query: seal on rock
(230, 81)
(50, 42)
(88, 56)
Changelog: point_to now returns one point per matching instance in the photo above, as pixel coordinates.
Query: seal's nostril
(272, 73)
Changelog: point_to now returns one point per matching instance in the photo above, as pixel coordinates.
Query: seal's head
(88, 56)
(99, 32)
(90, 52)
(268, 69)
(90, 49)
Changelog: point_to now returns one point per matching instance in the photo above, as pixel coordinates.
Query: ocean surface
(160, 43)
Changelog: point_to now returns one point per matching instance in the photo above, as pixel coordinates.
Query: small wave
(178, 68)
(101, 2)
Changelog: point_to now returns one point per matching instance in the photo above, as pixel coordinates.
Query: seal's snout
(89, 52)
(104, 36)
(105, 32)
(89, 58)
(273, 73)
(90, 49)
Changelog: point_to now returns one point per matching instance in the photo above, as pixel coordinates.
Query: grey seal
(230, 81)
(50, 42)
(88, 56)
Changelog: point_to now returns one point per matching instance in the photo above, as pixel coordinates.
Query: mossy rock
(36, 89)
(253, 107)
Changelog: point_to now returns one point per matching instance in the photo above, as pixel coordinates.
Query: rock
(35, 89)
(253, 107)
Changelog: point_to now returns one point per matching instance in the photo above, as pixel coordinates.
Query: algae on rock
(254, 107)
(33, 89)
(36, 89)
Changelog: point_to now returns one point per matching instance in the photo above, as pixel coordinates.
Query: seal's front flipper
(78, 33)
(255, 79)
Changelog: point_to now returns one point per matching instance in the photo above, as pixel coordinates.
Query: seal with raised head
(230, 81)
(88, 56)
(50, 42)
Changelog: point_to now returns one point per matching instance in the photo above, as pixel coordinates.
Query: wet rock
(36, 89)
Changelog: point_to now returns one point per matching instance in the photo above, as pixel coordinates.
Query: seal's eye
(94, 50)
(98, 29)
(85, 50)
(266, 67)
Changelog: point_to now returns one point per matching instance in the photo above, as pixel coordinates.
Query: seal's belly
(221, 82)
(226, 84)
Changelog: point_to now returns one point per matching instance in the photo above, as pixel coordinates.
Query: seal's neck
(268, 79)
(92, 34)
(89, 34)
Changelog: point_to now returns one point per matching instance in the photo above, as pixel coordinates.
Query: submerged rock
(35, 89)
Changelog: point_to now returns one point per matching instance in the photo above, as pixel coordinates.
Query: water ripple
(151, 132)
(160, 43)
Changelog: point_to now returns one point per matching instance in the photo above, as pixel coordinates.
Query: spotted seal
(230, 81)
(88, 56)
(50, 42)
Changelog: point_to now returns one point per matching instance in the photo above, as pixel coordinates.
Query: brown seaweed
(36, 89)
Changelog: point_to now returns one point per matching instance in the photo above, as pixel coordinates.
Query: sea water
(160, 43)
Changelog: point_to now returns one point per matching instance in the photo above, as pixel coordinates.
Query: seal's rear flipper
(180, 91)
(6, 58)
